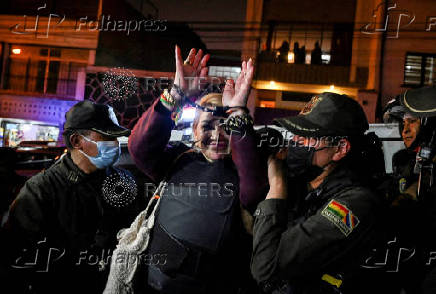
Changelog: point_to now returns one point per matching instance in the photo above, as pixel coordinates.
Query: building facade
(43, 71)
(58, 53)
(369, 50)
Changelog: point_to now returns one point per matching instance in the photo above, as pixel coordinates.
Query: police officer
(421, 103)
(64, 221)
(403, 161)
(405, 272)
(314, 246)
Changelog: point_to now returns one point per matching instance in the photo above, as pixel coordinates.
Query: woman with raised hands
(198, 225)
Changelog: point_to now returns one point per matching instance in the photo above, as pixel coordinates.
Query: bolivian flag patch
(340, 216)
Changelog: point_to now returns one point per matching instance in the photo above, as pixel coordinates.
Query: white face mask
(108, 153)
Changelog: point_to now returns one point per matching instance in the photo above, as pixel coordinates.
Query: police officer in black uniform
(421, 103)
(403, 269)
(403, 162)
(314, 245)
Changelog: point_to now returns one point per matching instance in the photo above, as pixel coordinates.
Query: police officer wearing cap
(315, 245)
(63, 219)
(421, 103)
(403, 181)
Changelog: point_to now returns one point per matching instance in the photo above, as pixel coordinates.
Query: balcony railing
(311, 74)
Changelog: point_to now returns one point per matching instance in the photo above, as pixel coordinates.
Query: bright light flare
(188, 114)
(291, 57)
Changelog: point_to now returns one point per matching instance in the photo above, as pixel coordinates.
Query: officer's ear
(342, 150)
(76, 141)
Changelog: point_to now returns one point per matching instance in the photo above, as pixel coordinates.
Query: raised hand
(191, 71)
(237, 94)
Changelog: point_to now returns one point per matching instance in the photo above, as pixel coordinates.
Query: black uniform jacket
(60, 231)
(326, 234)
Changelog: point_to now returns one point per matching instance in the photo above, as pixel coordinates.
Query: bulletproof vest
(200, 202)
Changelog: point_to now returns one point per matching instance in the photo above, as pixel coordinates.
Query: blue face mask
(108, 153)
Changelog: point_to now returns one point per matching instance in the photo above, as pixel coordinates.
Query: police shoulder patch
(340, 216)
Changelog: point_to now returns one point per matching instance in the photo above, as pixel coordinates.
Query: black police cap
(100, 118)
(420, 102)
(328, 114)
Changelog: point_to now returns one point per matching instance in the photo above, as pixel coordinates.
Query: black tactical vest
(197, 226)
(199, 202)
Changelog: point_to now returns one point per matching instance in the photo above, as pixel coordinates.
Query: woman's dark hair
(67, 134)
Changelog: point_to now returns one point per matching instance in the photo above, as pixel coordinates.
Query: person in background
(316, 54)
(297, 54)
(420, 119)
(284, 50)
(302, 55)
(403, 161)
(407, 211)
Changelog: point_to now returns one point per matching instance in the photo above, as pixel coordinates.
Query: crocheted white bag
(131, 243)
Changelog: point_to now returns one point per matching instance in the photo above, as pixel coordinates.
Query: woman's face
(210, 137)
(410, 130)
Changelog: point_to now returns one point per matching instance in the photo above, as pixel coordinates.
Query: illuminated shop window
(16, 132)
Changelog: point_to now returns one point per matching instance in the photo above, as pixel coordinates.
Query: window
(44, 70)
(420, 69)
(277, 38)
(266, 103)
(15, 132)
